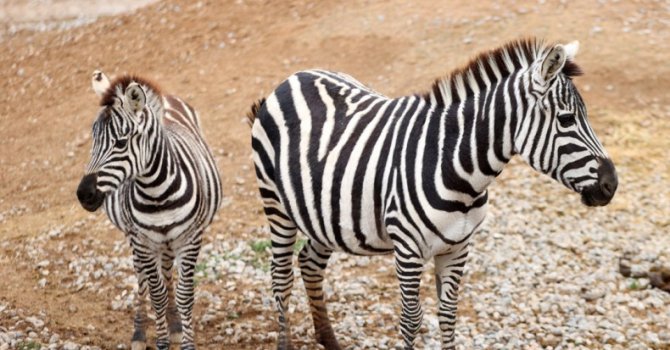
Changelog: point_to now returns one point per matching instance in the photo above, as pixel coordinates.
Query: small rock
(592, 294)
(549, 340)
(68, 345)
(664, 337)
(36, 322)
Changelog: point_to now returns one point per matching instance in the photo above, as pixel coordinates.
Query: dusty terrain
(65, 272)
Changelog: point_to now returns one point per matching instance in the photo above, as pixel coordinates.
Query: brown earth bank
(221, 56)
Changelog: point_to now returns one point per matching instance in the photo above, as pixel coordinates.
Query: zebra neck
(476, 131)
(162, 170)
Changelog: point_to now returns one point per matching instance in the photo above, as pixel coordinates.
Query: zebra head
(555, 137)
(120, 135)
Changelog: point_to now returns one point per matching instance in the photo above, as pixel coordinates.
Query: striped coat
(156, 176)
(358, 172)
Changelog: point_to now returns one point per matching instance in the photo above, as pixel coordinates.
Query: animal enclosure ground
(66, 272)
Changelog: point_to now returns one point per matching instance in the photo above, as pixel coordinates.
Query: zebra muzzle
(603, 191)
(89, 197)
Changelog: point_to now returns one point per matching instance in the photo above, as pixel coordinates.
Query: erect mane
(122, 82)
(517, 53)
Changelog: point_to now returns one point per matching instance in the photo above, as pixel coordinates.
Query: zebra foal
(159, 184)
(358, 172)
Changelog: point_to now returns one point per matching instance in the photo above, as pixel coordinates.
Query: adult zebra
(152, 169)
(362, 173)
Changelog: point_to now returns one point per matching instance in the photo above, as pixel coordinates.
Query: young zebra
(152, 169)
(358, 172)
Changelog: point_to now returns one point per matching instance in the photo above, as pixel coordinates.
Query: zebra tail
(251, 115)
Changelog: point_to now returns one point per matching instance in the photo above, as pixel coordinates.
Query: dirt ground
(222, 55)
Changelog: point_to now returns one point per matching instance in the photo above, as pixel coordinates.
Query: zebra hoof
(138, 345)
(327, 338)
(285, 345)
(330, 344)
(162, 344)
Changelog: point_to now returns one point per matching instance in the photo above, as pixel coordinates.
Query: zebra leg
(408, 270)
(448, 273)
(283, 235)
(173, 318)
(139, 339)
(313, 261)
(187, 258)
(149, 265)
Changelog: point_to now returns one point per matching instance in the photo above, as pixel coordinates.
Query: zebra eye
(566, 120)
(120, 143)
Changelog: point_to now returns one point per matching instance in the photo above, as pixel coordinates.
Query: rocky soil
(544, 270)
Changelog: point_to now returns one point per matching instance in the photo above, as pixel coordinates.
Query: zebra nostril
(607, 189)
(607, 178)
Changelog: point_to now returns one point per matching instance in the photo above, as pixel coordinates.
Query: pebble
(592, 295)
(36, 322)
(550, 340)
(68, 345)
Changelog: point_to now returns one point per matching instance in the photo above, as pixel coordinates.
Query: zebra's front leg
(139, 339)
(187, 258)
(149, 265)
(313, 261)
(173, 317)
(409, 268)
(448, 272)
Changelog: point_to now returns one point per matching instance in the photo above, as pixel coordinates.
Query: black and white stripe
(153, 171)
(365, 174)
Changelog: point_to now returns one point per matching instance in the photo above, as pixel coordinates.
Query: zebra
(155, 175)
(358, 172)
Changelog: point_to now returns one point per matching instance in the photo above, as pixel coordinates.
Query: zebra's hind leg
(139, 339)
(409, 268)
(173, 317)
(448, 273)
(313, 261)
(187, 257)
(283, 235)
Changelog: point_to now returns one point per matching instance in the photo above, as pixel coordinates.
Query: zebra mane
(122, 83)
(520, 53)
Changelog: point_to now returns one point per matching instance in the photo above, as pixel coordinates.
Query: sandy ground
(222, 55)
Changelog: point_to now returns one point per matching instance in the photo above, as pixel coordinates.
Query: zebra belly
(348, 233)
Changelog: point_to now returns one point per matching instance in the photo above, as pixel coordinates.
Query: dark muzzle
(87, 193)
(602, 192)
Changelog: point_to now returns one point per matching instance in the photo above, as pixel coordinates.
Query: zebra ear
(100, 82)
(136, 97)
(553, 62)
